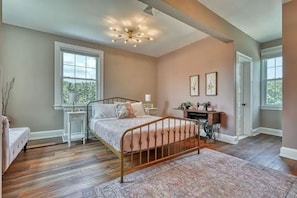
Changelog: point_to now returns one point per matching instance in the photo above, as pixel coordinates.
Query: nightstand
(77, 117)
(151, 111)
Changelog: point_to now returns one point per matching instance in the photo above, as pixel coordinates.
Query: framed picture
(194, 85)
(211, 84)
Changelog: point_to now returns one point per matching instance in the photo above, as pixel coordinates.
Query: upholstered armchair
(13, 141)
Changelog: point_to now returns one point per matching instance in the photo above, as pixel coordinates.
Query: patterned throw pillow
(124, 110)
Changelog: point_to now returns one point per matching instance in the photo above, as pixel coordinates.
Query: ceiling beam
(171, 9)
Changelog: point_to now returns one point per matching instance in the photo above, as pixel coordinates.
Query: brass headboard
(104, 101)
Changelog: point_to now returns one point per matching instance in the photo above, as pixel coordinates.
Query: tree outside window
(79, 76)
(273, 80)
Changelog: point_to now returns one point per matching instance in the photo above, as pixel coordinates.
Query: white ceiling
(89, 20)
(260, 19)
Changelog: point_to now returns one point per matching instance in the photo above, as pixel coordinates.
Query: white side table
(151, 110)
(77, 116)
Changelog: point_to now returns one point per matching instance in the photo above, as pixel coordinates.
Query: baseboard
(221, 137)
(268, 131)
(46, 134)
(288, 153)
(227, 138)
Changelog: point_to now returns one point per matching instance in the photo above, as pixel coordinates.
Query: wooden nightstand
(80, 118)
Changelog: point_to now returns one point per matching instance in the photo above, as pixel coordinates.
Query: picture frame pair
(210, 84)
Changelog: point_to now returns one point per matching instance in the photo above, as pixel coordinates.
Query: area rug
(209, 174)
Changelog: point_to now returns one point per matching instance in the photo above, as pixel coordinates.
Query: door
(243, 95)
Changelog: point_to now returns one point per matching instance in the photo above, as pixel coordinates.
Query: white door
(243, 95)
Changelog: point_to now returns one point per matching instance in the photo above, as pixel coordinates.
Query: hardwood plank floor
(50, 169)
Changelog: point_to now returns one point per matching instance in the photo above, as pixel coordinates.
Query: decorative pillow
(124, 110)
(138, 108)
(104, 111)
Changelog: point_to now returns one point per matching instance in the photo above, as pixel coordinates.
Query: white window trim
(271, 52)
(272, 107)
(58, 105)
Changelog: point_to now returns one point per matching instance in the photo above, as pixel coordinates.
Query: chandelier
(133, 36)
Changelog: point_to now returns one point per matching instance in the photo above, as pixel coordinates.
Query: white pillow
(104, 111)
(138, 109)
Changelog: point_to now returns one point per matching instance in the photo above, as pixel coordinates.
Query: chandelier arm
(133, 36)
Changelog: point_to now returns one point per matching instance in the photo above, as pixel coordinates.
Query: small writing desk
(210, 119)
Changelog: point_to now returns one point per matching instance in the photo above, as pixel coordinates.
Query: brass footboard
(157, 141)
(151, 142)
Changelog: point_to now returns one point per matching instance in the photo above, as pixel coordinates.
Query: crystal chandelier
(130, 35)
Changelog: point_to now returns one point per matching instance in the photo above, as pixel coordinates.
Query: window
(272, 78)
(77, 70)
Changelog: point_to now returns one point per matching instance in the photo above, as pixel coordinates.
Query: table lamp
(148, 99)
(72, 99)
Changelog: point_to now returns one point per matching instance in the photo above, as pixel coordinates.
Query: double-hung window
(78, 70)
(272, 78)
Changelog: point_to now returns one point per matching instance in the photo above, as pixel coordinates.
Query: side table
(77, 116)
(151, 111)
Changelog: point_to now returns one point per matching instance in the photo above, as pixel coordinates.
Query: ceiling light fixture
(130, 35)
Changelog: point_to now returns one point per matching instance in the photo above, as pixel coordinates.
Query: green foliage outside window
(274, 92)
(85, 90)
(273, 69)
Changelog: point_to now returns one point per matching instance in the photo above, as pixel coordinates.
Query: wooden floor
(54, 170)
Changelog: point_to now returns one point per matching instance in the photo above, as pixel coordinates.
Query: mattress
(112, 129)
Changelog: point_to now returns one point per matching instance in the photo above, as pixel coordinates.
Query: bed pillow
(104, 111)
(124, 110)
(138, 108)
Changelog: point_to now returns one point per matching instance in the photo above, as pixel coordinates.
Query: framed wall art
(211, 84)
(194, 85)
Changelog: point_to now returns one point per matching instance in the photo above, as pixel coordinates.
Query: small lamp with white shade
(148, 99)
(73, 99)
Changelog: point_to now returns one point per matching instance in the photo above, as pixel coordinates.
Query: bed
(138, 139)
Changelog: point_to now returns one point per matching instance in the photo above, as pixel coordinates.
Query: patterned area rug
(209, 174)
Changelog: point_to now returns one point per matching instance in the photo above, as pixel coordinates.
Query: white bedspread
(111, 130)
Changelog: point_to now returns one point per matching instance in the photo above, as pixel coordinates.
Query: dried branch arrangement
(5, 95)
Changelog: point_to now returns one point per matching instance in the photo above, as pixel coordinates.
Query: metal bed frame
(134, 160)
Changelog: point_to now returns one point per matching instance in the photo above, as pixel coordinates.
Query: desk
(212, 117)
(209, 119)
(76, 116)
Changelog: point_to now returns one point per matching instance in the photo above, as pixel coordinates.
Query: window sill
(67, 106)
(274, 108)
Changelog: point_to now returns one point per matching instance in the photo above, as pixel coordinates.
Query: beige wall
(289, 75)
(207, 55)
(271, 119)
(197, 15)
(29, 57)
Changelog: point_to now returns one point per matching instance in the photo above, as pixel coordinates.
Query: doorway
(243, 73)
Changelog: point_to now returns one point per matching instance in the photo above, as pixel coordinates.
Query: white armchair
(13, 141)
